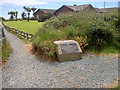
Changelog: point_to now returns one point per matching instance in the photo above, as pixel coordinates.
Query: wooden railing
(19, 33)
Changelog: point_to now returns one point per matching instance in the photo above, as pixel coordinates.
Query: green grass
(6, 51)
(118, 88)
(110, 49)
(29, 27)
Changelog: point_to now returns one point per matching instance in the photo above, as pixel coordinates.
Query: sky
(12, 5)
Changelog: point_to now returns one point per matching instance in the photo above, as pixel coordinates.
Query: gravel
(24, 70)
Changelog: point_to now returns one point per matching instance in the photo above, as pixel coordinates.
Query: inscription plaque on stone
(68, 50)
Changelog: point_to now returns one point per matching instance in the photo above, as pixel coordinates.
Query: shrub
(90, 29)
(32, 18)
(2, 18)
(43, 18)
(99, 38)
(99, 35)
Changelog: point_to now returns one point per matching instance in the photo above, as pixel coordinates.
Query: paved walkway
(24, 70)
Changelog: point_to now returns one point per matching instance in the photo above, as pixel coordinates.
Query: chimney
(74, 5)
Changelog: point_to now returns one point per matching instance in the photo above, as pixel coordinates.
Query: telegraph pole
(104, 4)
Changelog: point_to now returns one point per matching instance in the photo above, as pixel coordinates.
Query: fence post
(3, 36)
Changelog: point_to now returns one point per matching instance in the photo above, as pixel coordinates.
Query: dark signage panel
(69, 48)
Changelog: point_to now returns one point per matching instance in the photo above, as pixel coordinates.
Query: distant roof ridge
(77, 5)
(46, 9)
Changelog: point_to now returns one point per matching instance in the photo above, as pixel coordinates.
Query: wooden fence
(19, 33)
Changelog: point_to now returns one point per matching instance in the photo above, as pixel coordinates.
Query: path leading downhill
(24, 70)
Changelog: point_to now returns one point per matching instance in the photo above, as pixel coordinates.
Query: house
(41, 12)
(104, 10)
(74, 8)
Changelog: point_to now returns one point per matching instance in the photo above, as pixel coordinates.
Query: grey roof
(110, 9)
(78, 7)
(46, 10)
(106, 9)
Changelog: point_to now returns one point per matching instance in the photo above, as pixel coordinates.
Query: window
(37, 16)
(61, 13)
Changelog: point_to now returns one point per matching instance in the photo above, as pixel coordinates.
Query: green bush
(99, 38)
(99, 34)
(90, 29)
(43, 18)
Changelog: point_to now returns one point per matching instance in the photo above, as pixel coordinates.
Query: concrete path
(24, 70)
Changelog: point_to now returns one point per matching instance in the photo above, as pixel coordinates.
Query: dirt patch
(103, 54)
(29, 47)
(112, 85)
(110, 55)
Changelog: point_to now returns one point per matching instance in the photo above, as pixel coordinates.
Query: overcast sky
(12, 5)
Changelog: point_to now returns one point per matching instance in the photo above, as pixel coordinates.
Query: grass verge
(6, 51)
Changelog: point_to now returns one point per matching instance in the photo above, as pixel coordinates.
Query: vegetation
(28, 10)
(23, 15)
(29, 27)
(117, 88)
(12, 14)
(33, 10)
(6, 51)
(16, 14)
(43, 18)
(94, 31)
(2, 18)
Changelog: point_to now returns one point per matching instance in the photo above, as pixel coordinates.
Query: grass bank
(6, 51)
(95, 32)
(29, 27)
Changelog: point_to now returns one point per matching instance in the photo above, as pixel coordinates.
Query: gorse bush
(99, 38)
(99, 34)
(90, 29)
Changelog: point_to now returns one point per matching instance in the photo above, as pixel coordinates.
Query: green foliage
(23, 15)
(99, 35)
(2, 19)
(99, 38)
(90, 29)
(33, 9)
(12, 15)
(6, 51)
(28, 10)
(16, 14)
(43, 18)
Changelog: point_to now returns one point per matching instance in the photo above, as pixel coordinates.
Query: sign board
(68, 50)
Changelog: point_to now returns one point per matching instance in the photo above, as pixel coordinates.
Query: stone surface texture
(68, 50)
